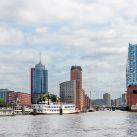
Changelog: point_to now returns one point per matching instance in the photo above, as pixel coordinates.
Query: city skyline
(92, 34)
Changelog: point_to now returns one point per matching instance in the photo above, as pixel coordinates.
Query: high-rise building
(132, 65)
(72, 92)
(39, 82)
(107, 99)
(76, 74)
(67, 91)
(118, 102)
(131, 75)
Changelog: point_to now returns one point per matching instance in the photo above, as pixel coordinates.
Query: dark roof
(76, 67)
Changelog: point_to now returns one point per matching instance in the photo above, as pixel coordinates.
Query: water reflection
(96, 124)
(132, 124)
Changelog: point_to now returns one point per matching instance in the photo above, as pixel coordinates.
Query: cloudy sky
(92, 33)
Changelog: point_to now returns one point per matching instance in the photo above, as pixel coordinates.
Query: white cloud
(10, 36)
(34, 11)
(94, 34)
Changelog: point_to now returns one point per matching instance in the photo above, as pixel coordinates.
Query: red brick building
(82, 101)
(83, 105)
(131, 96)
(10, 97)
(76, 74)
(24, 99)
(85, 101)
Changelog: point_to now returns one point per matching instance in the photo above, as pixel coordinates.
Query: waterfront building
(132, 65)
(83, 100)
(7, 95)
(107, 99)
(22, 99)
(76, 74)
(98, 102)
(118, 102)
(112, 102)
(39, 82)
(131, 96)
(88, 101)
(124, 99)
(131, 75)
(67, 91)
(10, 97)
(72, 92)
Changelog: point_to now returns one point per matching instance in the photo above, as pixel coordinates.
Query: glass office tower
(39, 82)
(132, 65)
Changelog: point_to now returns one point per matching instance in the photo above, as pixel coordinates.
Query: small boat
(91, 110)
(44, 108)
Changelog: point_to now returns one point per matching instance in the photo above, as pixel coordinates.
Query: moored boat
(44, 108)
(6, 112)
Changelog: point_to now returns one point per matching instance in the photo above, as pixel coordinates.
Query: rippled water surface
(92, 124)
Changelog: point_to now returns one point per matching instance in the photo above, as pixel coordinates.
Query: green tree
(47, 96)
(2, 103)
(53, 97)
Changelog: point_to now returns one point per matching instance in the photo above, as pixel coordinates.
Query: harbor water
(91, 124)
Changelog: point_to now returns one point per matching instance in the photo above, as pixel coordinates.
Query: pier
(6, 112)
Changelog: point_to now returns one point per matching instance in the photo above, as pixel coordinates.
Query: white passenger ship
(44, 108)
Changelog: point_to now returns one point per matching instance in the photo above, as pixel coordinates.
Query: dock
(6, 112)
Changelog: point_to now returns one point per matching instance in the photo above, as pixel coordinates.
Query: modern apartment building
(132, 65)
(107, 99)
(131, 75)
(67, 92)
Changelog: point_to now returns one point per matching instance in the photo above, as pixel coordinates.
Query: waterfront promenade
(91, 124)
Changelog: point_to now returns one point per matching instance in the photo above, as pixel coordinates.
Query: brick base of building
(131, 96)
